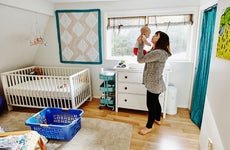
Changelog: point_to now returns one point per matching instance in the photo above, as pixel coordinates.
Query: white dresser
(131, 93)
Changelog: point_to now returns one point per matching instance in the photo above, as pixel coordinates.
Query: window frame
(169, 11)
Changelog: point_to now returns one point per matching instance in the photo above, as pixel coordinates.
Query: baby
(145, 32)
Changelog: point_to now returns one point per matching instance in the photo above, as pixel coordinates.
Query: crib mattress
(46, 88)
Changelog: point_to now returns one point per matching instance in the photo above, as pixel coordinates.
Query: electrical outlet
(209, 144)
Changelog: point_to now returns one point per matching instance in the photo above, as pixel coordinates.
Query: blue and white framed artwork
(79, 36)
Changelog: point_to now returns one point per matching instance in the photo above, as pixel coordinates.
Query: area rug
(97, 134)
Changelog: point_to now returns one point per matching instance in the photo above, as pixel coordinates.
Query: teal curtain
(202, 72)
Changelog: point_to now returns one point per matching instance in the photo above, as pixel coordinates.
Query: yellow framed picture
(223, 44)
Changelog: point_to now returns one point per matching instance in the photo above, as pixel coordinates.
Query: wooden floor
(176, 132)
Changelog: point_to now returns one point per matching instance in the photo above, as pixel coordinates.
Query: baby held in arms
(145, 32)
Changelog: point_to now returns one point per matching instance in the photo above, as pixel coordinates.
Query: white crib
(62, 87)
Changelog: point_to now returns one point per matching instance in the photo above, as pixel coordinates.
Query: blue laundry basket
(56, 123)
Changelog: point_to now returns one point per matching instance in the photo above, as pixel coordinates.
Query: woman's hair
(163, 42)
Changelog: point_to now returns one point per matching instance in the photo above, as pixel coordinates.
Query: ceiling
(72, 1)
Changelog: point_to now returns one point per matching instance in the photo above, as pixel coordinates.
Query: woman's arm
(155, 55)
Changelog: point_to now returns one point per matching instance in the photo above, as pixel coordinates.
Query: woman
(152, 76)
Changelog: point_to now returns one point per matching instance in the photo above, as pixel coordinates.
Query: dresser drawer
(132, 101)
(135, 101)
(133, 77)
(135, 88)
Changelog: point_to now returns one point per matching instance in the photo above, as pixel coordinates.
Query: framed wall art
(79, 36)
(223, 45)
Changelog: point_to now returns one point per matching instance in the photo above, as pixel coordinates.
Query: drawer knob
(125, 100)
(126, 77)
(125, 88)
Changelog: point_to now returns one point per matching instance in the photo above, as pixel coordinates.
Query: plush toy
(62, 86)
(36, 71)
(145, 32)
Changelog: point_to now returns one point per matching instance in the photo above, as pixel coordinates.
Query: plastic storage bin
(172, 100)
(56, 123)
(2, 102)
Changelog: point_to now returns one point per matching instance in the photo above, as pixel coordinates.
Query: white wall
(16, 31)
(41, 6)
(209, 130)
(181, 77)
(19, 17)
(216, 123)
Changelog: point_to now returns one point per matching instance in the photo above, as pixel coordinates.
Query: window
(123, 31)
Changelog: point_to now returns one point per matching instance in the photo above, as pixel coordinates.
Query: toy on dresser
(121, 64)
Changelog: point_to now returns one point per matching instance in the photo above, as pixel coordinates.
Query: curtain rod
(211, 7)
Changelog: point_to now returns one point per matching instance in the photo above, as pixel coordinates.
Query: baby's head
(145, 30)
